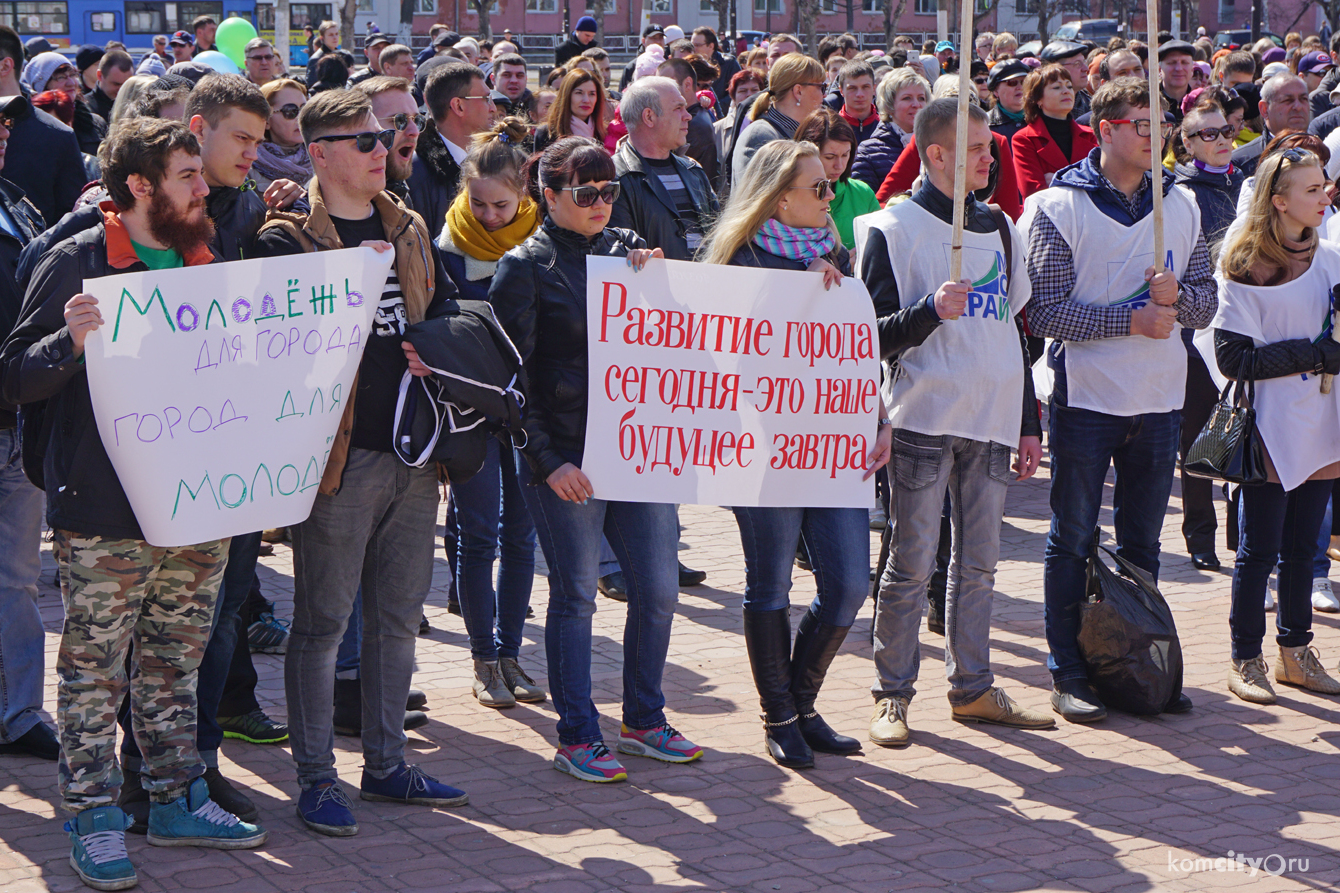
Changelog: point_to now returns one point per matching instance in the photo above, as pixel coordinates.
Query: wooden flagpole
(1155, 130)
(961, 140)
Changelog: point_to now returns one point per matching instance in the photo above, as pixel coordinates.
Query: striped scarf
(799, 243)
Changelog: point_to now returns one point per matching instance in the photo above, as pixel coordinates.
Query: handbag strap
(1245, 380)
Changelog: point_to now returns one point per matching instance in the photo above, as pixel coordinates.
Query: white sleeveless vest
(1131, 375)
(967, 378)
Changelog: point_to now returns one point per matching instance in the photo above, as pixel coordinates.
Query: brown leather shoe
(997, 708)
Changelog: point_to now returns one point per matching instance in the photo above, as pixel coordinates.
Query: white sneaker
(1270, 594)
(1323, 599)
(878, 519)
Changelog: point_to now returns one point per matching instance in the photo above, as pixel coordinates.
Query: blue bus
(72, 23)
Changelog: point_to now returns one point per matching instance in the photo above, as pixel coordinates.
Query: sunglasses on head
(401, 120)
(585, 196)
(289, 111)
(364, 142)
(1292, 155)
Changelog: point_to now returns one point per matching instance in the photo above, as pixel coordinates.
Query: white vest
(1299, 425)
(967, 378)
(1131, 375)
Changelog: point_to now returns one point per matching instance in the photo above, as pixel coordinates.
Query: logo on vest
(989, 298)
(1140, 297)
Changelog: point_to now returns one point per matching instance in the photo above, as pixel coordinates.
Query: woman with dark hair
(836, 141)
(743, 84)
(777, 219)
(492, 214)
(1050, 140)
(579, 110)
(331, 73)
(539, 294)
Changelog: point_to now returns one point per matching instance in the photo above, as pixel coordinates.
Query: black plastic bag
(1128, 639)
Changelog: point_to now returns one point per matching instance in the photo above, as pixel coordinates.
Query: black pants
(1198, 519)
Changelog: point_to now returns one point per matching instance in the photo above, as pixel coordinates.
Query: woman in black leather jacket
(539, 294)
(777, 218)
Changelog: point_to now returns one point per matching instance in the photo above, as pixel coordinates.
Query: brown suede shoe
(997, 708)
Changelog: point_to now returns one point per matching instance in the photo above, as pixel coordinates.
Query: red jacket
(908, 165)
(1036, 154)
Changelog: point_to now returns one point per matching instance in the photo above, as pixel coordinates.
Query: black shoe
(417, 700)
(1205, 561)
(690, 577)
(530, 612)
(134, 802)
(222, 792)
(816, 645)
(415, 719)
(348, 719)
(935, 611)
(767, 637)
(614, 586)
(39, 741)
(454, 607)
(803, 558)
(1181, 705)
(425, 627)
(1076, 701)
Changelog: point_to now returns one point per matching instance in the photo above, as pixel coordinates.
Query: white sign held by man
(725, 385)
(218, 389)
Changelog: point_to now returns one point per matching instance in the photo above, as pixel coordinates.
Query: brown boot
(1247, 679)
(1302, 667)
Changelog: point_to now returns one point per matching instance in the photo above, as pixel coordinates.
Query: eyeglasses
(979, 81)
(268, 57)
(807, 84)
(585, 196)
(7, 123)
(364, 142)
(474, 97)
(1293, 156)
(1210, 134)
(289, 111)
(1142, 125)
(821, 189)
(401, 120)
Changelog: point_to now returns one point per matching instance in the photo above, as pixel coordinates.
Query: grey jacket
(755, 136)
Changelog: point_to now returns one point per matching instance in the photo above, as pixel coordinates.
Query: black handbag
(1229, 447)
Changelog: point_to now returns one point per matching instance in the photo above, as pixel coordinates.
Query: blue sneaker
(196, 820)
(326, 809)
(98, 851)
(409, 784)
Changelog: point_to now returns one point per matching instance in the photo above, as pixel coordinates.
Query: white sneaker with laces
(1270, 594)
(1323, 599)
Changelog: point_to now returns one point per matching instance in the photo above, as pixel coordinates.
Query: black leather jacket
(237, 215)
(645, 206)
(29, 223)
(539, 296)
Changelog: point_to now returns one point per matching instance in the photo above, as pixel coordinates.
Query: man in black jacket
(460, 106)
(116, 584)
(22, 730)
(705, 44)
(114, 69)
(583, 38)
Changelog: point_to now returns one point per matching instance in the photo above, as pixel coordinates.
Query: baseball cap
(1315, 62)
(447, 39)
(653, 29)
(182, 37)
(13, 106)
(376, 39)
(1007, 70)
(1274, 54)
(944, 45)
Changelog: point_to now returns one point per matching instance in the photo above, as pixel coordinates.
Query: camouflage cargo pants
(117, 591)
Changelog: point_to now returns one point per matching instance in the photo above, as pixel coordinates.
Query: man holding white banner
(117, 587)
(958, 375)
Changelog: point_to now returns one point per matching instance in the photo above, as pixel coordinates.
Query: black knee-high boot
(767, 635)
(816, 645)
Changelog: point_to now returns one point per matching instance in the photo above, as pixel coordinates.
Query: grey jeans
(976, 475)
(377, 531)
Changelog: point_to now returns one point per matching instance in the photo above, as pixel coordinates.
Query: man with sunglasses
(374, 518)
(460, 106)
(1120, 374)
(261, 61)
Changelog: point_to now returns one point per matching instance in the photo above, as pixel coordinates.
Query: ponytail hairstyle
(1260, 240)
(571, 161)
(497, 155)
(789, 71)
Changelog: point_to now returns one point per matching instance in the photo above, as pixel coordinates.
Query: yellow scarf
(471, 237)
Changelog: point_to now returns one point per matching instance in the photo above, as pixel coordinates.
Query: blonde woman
(283, 155)
(131, 90)
(777, 218)
(898, 97)
(795, 91)
(1276, 281)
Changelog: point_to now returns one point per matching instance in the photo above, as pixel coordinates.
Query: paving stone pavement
(1129, 805)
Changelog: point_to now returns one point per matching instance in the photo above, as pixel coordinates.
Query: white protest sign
(218, 389)
(728, 385)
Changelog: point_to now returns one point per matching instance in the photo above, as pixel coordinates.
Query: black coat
(646, 208)
(84, 495)
(29, 223)
(237, 215)
(43, 159)
(434, 179)
(570, 48)
(539, 295)
(1247, 157)
(752, 256)
(1217, 197)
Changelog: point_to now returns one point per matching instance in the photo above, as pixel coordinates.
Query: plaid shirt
(1052, 314)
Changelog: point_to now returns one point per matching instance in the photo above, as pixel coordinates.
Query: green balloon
(231, 38)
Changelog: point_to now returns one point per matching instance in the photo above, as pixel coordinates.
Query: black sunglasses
(289, 111)
(364, 142)
(401, 121)
(1210, 134)
(1293, 156)
(585, 196)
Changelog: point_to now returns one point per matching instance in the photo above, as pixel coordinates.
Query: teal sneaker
(196, 820)
(98, 851)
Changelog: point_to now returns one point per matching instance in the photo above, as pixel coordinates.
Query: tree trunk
(348, 23)
(483, 7)
(282, 19)
(851, 16)
(723, 25)
(808, 10)
(598, 13)
(891, 16)
(1044, 16)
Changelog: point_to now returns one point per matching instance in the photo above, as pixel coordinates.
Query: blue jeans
(645, 538)
(839, 544)
(492, 514)
(1084, 444)
(1276, 526)
(22, 665)
(377, 531)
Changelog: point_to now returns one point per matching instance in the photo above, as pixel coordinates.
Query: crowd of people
(837, 162)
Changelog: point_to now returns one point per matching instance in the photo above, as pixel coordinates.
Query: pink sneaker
(589, 762)
(661, 743)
